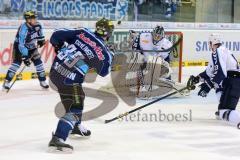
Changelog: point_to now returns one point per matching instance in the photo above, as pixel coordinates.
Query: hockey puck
(119, 22)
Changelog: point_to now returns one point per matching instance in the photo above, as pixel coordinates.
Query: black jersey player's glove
(26, 60)
(192, 81)
(205, 89)
(41, 43)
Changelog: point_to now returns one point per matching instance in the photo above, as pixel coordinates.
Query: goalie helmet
(104, 28)
(215, 38)
(157, 34)
(30, 14)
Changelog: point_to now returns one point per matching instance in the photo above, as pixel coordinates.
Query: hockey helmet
(104, 27)
(215, 38)
(158, 33)
(30, 14)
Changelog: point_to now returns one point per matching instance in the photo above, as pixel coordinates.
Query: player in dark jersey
(29, 37)
(77, 50)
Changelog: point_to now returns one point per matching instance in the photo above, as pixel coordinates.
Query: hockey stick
(143, 106)
(16, 78)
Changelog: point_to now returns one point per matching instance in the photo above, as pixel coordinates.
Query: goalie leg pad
(231, 92)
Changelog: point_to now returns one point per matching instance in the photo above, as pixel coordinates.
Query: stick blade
(110, 120)
(107, 121)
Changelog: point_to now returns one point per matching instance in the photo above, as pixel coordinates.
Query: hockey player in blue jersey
(29, 37)
(221, 74)
(77, 50)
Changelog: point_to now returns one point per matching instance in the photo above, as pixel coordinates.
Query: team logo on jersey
(34, 35)
(97, 49)
(145, 41)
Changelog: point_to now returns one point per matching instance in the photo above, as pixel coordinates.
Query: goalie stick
(143, 106)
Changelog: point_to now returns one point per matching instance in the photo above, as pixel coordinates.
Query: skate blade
(59, 150)
(77, 136)
(44, 89)
(5, 90)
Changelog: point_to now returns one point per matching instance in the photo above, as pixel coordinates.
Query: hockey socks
(67, 123)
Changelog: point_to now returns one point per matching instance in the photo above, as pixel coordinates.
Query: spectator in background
(136, 3)
(171, 7)
(4, 6)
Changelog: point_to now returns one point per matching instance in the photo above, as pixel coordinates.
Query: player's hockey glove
(192, 81)
(41, 43)
(26, 60)
(205, 89)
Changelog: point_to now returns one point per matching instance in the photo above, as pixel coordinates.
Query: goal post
(176, 60)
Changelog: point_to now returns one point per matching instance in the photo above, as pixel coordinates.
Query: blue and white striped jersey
(27, 36)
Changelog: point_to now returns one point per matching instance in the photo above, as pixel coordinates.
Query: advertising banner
(195, 44)
(67, 9)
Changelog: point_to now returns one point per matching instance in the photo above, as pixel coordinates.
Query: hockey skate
(44, 84)
(217, 114)
(238, 126)
(6, 85)
(80, 131)
(57, 145)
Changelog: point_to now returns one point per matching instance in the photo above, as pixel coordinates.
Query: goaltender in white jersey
(148, 42)
(155, 48)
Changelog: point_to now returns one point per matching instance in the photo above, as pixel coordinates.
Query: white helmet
(215, 38)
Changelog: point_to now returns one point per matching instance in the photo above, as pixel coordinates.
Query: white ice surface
(27, 120)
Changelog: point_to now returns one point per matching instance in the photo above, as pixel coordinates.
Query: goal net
(126, 64)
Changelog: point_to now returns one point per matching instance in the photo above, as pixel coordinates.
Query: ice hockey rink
(27, 120)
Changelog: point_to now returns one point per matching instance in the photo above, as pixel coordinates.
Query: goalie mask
(157, 34)
(104, 28)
